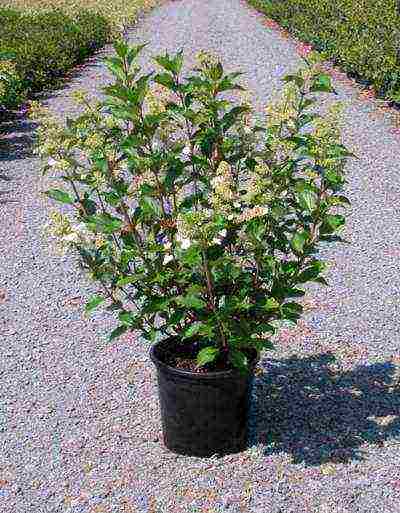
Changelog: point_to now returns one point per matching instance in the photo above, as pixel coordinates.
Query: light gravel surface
(79, 419)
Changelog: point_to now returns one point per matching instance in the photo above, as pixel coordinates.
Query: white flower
(52, 162)
(167, 259)
(185, 243)
(222, 233)
(80, 227)
(237, 204)
(71, 237)
(216, 240)
(186, 151)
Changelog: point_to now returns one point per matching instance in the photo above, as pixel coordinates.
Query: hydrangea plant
(195, 219)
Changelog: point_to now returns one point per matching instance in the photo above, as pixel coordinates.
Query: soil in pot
(183, 356)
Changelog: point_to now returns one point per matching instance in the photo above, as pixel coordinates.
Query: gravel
(79, 422)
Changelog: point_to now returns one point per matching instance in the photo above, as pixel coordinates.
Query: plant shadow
(16, 138)
(317, 414)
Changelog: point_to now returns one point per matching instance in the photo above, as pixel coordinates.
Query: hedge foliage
(361, 36)
(117, 12)
(40, 40)
(38, 48)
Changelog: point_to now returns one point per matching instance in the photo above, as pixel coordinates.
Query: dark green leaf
(104, 223)
(291, 311)
(239, 360)
(191, 300)
(297, 79)
(118, 332)
(157, 304)
(166, 80)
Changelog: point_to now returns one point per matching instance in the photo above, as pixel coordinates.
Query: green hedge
(36, 49)
(361, 36)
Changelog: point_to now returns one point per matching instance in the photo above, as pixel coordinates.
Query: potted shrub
(200, 226)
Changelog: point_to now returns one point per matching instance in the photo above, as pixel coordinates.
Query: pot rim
(232, 373)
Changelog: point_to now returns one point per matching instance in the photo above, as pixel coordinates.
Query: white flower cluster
(69, 234)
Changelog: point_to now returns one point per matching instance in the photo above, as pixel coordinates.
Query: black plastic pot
(202, 414)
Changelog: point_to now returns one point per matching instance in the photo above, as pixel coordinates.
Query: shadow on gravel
(16, 138)
(304, 408)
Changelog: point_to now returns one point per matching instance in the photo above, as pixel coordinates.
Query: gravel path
(79, 420)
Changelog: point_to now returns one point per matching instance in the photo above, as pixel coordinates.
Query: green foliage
(361, 36)
(195, 221)
(41, 47)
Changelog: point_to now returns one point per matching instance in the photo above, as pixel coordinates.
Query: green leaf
(121, 49)
(157, 304)
(191, 300)
(339, 200)
(312, 272)
(126, 280)
(150, 335)
(230, 117)
(227, 84)
(150, 206)
(104, 223)
(239, 360)
(298, 241)
(299, 81)
(127, 319)
(192, 256)
(322, 83)
(93, 303)
(7, 56)
(207, 355)
(175, 170)
(333, 178)
(216, 72)
(116, 67)
(89, 205)
(118, 332)
(176, 317)
(61, 196)
(271, 304)
(333, 223)
(307, 200)
(172, 64)
(166, 80)
(291, 311)
(133, 52)
(199, 328)
(112, 198)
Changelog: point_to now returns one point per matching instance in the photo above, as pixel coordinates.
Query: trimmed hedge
(36, 49)
(361, 36)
